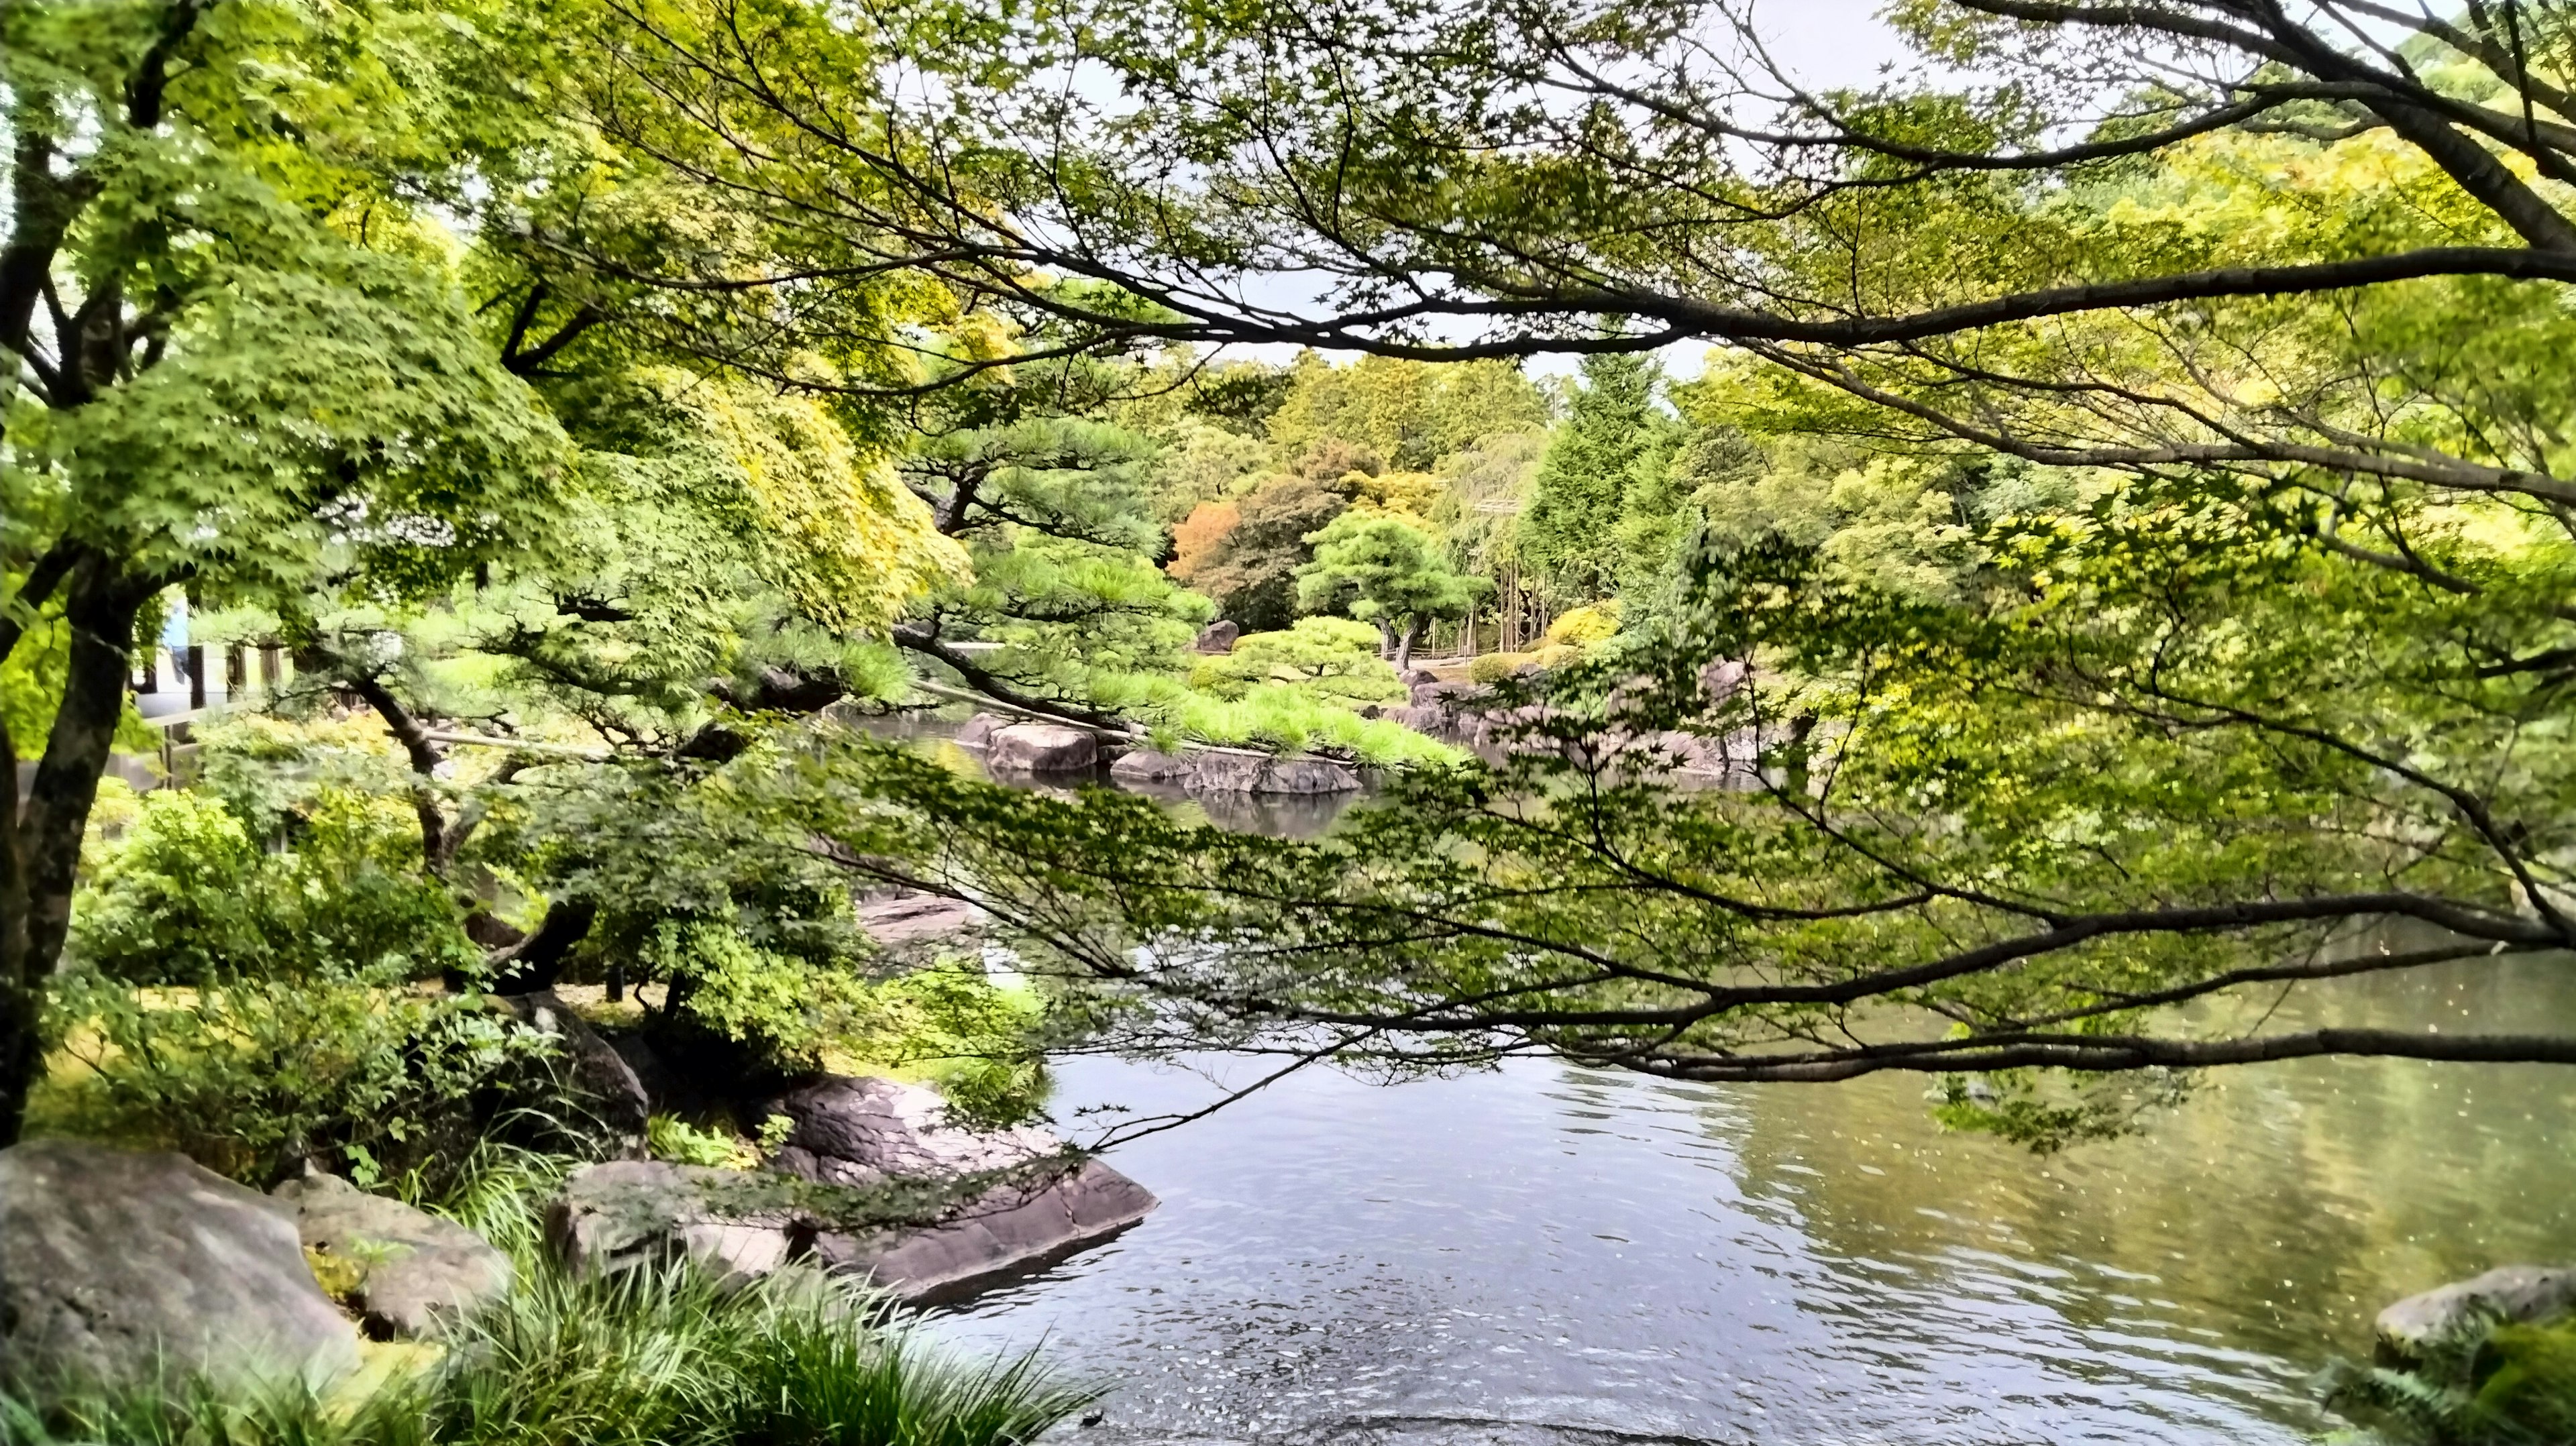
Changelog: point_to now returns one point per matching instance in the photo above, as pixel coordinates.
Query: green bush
(2488, 1385)
(1329, 659)
(186, 896)
(253, 1077)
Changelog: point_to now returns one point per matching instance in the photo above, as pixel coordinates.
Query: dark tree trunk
(538, 961)
(41, 857)
(1404, 646)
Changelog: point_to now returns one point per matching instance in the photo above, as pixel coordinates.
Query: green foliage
(674, 1139)
(1381, 568)
(1613, 438)
(978, 1040)
(255, 1076)
(1410, 413)
(2488, 1383)
(186, 897)
(1329, 658)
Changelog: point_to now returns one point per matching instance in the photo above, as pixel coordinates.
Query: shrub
(253, 1077)
(1585, 628)
(186, 896)
(1492, 668)
(1327, 658)
(2489, 1384)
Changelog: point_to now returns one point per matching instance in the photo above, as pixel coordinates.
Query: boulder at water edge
(1216, 638)
(2509, 1293)
(1025, 1204)
(978, 731)
(873, 1182)
(1147, 766)
(406, 1269)
(116, 1265)
(1043, 748)
(863, 1131)
(1235, 772)
(1007, 1230)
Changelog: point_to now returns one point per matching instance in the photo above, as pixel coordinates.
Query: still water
(1546, 1255)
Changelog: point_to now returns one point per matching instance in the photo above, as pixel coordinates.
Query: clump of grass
(635, 1358)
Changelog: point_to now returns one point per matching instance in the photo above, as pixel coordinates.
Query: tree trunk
(41, 857)
(1404, 646)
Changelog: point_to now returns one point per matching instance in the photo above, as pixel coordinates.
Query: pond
(1543, 1254)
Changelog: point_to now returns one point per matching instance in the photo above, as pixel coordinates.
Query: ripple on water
(1548, 1257)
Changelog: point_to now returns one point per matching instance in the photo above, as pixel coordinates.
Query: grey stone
(1007, 1231)
(1044, 748)
(411, 1268)
(1147, 766)
(912, 917)
(1228, 772)
(1217, 637)
(1418, 677)
(863, 1131)
(593, 1067)
(978, 731)
(627, 1213)
(855, 1135)
(116, 1265)
(2508, 1293)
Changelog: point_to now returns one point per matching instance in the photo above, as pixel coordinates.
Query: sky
(1823, 44)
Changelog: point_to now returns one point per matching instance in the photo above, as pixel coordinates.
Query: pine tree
(1569, 538)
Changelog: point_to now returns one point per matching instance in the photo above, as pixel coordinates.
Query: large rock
(1146, 766)
(592, 1066)
(736, 1224)
(1218, 771)
(978, 731)
(1040, 1206)
(872, 1181)
(1043, 748)
(859, 1132)
(1009, 1230)
(120, 1266)
(407, 1269)
(1217, 637)
(911, 917)
(2509, 1293)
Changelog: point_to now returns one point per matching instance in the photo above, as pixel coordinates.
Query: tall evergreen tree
(1570, 536)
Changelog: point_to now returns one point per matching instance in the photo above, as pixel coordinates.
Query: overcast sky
(1822, 43)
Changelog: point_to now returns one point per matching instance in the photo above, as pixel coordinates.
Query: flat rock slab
(627, 1213)
(873, 1182)
(915, 918)
(123, 1266)
(1008, 1231)
(412, 1270)
(2507, 1294)
(1043, 748)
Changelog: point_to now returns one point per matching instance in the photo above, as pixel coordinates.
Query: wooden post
(236, 672)
(268, 666)
(196, 675)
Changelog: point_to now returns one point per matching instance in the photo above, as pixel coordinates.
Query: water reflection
(1540, 1251)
